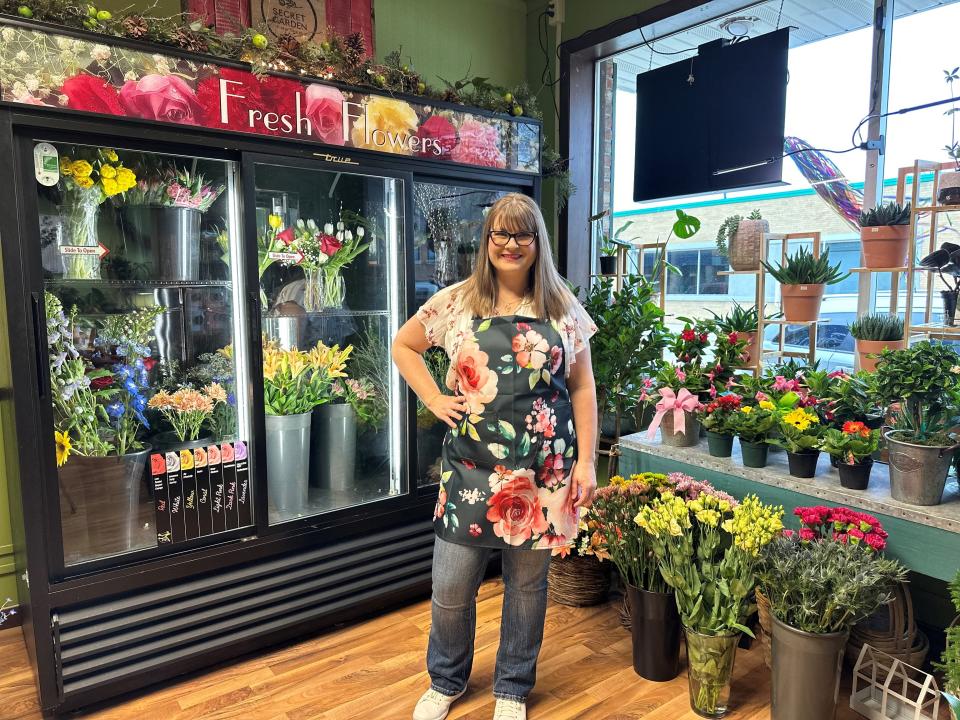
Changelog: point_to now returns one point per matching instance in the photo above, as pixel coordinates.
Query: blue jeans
(457, 573)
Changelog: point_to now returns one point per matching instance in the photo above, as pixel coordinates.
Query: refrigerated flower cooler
(203, 272)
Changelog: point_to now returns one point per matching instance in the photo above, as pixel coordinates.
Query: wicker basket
(578, 580)
(894, 632)
(746, 245)
(766, 627)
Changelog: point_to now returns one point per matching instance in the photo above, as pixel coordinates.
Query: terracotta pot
(801, 303)
(752, 349)
(875, 347)
(885, 246)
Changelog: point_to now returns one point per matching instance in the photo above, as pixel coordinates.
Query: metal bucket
(918, 473)
(173, 236)
(286, 330)
(333, 447)
(806, 673)
(288, 460)
(688, 438)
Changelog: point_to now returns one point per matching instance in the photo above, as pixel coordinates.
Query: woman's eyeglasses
(502, 237)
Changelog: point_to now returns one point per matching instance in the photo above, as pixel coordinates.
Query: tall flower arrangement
(87, 178)
(324, 255)
(295, 381)
(187, 409)
(170, 186)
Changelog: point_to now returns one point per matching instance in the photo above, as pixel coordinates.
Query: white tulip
(349, 236)
(340, 226)
(328, 228)
(360, 231)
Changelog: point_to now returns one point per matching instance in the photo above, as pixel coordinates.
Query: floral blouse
(447, 323)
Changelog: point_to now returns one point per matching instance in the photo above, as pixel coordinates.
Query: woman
(518, 461)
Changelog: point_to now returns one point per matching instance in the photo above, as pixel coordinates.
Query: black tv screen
(722, 131)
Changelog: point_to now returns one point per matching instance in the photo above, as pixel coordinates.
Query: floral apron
(505, 473)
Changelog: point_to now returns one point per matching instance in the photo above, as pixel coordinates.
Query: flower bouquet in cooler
(166, 185)
(187, 409)
(325, 252)
(363, 397)
(708, 551)
(217, 368)
(88, 177)
(295, 381)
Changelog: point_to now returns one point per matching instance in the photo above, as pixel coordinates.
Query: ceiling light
(739, 26)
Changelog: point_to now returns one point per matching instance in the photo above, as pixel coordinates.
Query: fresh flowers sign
(44, 69)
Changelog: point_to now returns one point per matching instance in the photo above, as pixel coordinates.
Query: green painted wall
(485, 38)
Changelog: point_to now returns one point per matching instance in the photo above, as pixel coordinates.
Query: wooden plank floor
(375, 670)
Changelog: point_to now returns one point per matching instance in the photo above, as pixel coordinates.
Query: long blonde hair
(551, 297)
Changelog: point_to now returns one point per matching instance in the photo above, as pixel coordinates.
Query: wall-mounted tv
(713, 122)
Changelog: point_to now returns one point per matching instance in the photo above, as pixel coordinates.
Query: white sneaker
(434, 705)
(510, 710)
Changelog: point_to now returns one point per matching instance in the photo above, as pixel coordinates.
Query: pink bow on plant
(684, 401)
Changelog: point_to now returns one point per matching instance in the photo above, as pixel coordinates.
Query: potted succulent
(853, 447)
(920, 384)
(654, 621)
(716, 417)
(708, 548)
(744, 322)
(874, 334)
(884, 235)
(802, 279)
(817, 590)
(677, 406)
(799, 434)
(754, 424)
(742, 240)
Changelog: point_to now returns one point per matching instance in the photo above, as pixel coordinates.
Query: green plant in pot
(744, 322)
(799, 432)
(874, 334)
(741, 239)
(717, 417)
(921, 385)
(885, 235)
(630, 339)
(852, 446)
(609, 244)
(754, 425)
(817, 590)
(803, 278)
(949, 663)
(708, 548)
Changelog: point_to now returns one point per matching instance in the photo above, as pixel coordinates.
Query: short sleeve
(440, 314)
(577, 329)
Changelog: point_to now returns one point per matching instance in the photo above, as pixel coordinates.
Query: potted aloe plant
(853, 447)
(818, 590)
(921, 385)
(803, 279)
(708, 549)
(741, 239)
(884, 235)
(873, 335)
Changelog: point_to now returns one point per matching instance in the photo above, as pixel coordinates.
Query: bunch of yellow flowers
(754, 524)
(667, 515)
(104, 170)
(800, 418)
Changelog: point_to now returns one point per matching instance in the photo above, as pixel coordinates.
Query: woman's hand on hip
(448, 408)
(583, 484)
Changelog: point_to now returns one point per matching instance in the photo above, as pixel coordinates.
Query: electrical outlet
(558, 7)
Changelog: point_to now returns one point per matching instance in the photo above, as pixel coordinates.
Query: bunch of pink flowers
(840, 524)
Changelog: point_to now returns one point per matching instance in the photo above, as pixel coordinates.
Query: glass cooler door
(146, 347)
(331, 298)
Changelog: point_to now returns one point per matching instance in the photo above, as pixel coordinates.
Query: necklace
(500, 310)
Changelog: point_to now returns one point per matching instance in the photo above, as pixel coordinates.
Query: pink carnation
(479, 145)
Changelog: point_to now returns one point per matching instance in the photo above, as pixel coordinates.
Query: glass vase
(313, 290)
(334, 290)
(710, 659)
(79, 215)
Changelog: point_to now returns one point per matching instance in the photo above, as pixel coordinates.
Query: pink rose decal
(562, 517)
(476, 382)
(324, 107)
(441, 133)
(479, 145)
(531, 349)
(556, 357)
(515, 511)
(161, 97)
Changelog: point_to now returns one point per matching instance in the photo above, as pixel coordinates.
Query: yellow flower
(275, 221)
(110, 155)
(63, 447)
(81, 168)
(384, 120)
(83, 182)
(767, 405)
(110, 187)
(746, 409)
(108, 171)
(126, 178)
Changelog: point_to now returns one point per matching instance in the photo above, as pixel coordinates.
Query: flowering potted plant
(677, 405)
(744, 322)
(716, 417)
(708, 549)
(802, 279)
(87, 178)
(754, 424)
(325, 253)
(577, 575)
(923, 382)
(799, 434)
(164, 210)
(654, 622)
(817, 590)
(853, 446)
